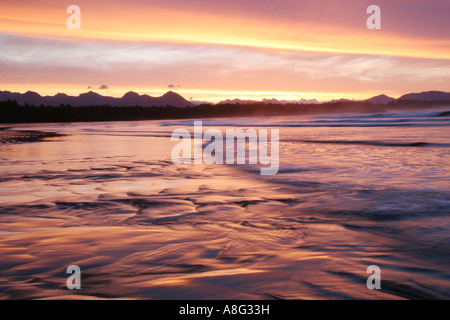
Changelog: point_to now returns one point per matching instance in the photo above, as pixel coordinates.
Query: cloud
(216, 68)
(103, 87)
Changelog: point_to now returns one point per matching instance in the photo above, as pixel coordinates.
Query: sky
(212, 50)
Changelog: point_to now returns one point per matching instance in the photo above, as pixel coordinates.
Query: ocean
(351, 191)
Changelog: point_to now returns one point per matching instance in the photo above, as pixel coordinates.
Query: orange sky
(213, 50)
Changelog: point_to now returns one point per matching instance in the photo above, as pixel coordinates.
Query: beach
(107, 197)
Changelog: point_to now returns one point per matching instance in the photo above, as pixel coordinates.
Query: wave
(374, 120)
(423, 114)
(374, 143)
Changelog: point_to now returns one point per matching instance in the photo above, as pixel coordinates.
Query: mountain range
(175, 100)
(423, 96)
(94, 99)
(380, 99)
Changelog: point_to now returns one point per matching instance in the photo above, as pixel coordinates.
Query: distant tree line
(12, 112)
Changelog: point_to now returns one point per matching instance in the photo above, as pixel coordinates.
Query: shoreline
(18, 136)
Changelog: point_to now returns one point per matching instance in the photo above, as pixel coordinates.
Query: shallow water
(352, 191)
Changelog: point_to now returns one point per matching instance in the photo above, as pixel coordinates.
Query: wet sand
(107, 198)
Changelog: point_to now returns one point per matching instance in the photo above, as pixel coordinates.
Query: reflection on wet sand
(141, 227)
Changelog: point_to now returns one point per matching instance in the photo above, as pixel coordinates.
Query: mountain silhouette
(268, 101)
(91, 98)
(132, 99)
(174, 99)
(29, 96)
(426, 96)
(381, 99)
